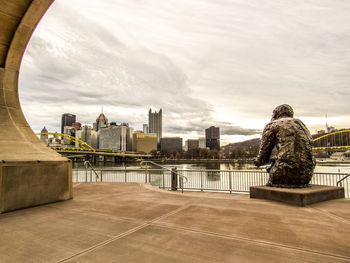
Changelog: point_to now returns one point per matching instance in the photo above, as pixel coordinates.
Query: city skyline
(227, 64)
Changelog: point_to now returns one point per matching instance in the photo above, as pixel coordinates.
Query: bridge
(84, 149)
(338, 140)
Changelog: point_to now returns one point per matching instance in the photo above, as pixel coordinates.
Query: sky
(226, 63)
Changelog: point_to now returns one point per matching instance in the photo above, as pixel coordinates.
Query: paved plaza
(131, 222)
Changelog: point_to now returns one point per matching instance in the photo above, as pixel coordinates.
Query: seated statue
(294, 163)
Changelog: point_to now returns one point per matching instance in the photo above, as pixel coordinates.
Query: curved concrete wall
(18, 19)
(30, 173)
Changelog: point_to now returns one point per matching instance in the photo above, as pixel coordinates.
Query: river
(320, 167)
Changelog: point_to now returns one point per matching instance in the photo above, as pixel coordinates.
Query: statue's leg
(279, 173)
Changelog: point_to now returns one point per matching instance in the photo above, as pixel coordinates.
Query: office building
(145, 128)
(114, 137)
(171, 144)
(67, 120)
(142, 142)
(212, 138)
(88, 135)
(76, 125)
(202, 143)
(155, 123)
(101, 122)
(71, 131)
(191, 144)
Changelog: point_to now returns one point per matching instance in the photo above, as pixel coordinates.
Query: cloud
(192, 59)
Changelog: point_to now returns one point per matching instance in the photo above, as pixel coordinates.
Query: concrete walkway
(130, 222)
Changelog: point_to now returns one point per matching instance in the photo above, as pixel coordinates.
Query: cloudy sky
(227, 63)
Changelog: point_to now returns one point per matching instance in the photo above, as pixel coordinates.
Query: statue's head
(282, 111)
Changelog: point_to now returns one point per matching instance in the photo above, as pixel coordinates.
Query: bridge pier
(30, 173)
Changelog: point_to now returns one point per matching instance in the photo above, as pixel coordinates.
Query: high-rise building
(76, 125)
(191, 144)
(155, 123)
(142, 142)
(71, 131)
(88, 135)
(145, 128)
(67, 120)
(171, 144)
(202, 143)
(115, 137)
(212, 138)
(101, 122)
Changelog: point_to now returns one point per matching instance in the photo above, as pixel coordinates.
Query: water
(320, 168)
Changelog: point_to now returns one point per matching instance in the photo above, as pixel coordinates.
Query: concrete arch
(30, 172)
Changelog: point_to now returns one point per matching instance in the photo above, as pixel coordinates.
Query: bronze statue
(294, 163)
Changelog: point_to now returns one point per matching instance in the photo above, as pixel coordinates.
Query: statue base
(297, 196)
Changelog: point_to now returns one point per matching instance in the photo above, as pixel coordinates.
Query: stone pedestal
(297, 196)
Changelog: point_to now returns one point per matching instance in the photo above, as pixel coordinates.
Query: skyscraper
(67, 120)
(212, 138)
(155, 123)
(115, 137)
(101, 122)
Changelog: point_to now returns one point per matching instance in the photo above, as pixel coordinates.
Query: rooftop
(131, 222)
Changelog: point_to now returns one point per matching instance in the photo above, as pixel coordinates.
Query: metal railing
(231, 181)
(339, 183)
(88, 165)
(173, 173)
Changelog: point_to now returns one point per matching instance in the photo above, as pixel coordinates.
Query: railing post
(101, 175)
(230, 180)
(163, 178)
(146, 175)
(201, 179)
(173, 179)
(125, 174)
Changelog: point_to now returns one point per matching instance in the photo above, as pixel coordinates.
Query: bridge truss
(338, 140)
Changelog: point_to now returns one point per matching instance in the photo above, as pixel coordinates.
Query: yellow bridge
(85, 148)
(338, 140)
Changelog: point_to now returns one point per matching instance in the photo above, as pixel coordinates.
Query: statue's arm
(268, 141)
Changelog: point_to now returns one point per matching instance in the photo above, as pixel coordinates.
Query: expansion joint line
(260, 242)
(133, 230)
(331, 215)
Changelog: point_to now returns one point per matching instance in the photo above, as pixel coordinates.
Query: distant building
(76, 125)
(212, 138)
(115, 137)
(44, 137)
(145, 128)
(171, 144)
(129, 146)
(142, 142)
(191, 144)
(69, 130)
(67, 120)
(202, 143)
(55, 141)
(101, 122)
(331, 129)
(155, 123)
(88, 135)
